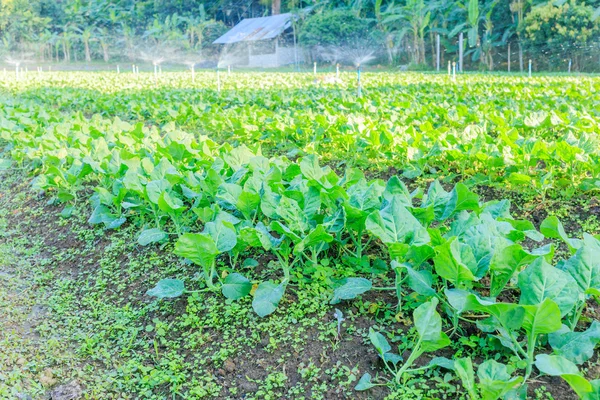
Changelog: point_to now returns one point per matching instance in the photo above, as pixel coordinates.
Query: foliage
(560, 31)
(337, 27)
(452, 259)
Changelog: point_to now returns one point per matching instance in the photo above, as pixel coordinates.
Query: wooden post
(437, 52)
(460, 52)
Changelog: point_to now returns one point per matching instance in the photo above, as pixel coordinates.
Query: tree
(411, 18)
(560, 32)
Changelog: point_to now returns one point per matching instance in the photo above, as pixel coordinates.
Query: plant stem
(413, 356)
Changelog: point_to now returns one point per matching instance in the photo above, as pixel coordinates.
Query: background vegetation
(549, 32)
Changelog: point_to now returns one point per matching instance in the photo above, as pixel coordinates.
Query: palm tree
(413, 18)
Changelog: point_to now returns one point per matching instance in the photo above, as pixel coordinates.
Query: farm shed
(270, 41)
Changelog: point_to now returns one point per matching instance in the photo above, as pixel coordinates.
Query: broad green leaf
(310, 168)
(395, 224)
(464, 369)
(167, 288)
(442, 362)
(170, 203)
(555, 365)
(504, 264)
(267, 298)
(395, 187)
(551, 227)
(540, 281)
(248, 204)
(152, 235)
(236, 286)
(350, 288)
(228, 195)
(542, 318)
(494, 380)
(379, 342)
(461, 198)
(559, 366)
(419, 281)
(455, 262)
(316, 237)
(200, 248)
(364, 383)
(510, 315)
(293, 215)
(429, 326)
(584, 266)
(155, 188)
(223, 235)
(577, 347)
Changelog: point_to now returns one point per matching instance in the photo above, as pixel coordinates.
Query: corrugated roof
(253, 29)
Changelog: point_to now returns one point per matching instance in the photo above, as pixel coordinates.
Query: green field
(273, 235)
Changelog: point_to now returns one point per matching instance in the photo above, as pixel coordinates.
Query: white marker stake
(337, 71)
(530, 68)
(315, 68)
(118, 70)
(454, 71)
(569, 65)
(133, 68)
(449, 68)
(193, 74)
(228, 70)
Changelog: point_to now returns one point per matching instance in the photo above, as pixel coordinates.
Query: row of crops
(539, 133)
(187, 168)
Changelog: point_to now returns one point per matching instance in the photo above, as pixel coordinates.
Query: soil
(248, 368)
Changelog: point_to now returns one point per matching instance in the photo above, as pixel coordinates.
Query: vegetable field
(273, 235)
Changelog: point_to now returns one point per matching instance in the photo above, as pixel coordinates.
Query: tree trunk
(460, 52)
(520, 56)
(86, 45)
(105, 51)
(437, 52)
(422, 40)
(276, 7)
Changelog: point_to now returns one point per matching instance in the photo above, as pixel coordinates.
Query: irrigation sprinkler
(358, 84)
(337, 71)
(315, 68)
(530, 67)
